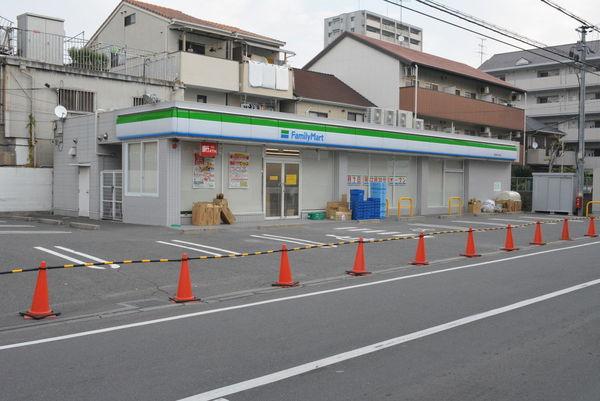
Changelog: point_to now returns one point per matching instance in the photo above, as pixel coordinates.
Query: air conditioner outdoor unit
(404, 119)
(419, 124)
(375, 115)
(389, 117)
(485, 90)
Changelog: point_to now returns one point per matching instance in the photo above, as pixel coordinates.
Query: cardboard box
(474, 206)
(343, 216)
(334, 207)
(206, 214)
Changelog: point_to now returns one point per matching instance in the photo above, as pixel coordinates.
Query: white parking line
(389, 233)
(90, 257)
(486, 223)
(15, 226)
(511, 220)
(438, 226)
(552, 218)
(297, 242)
(66, 257)
(344, 228)
(283, 299)
(190, 248)
(206, 246)
(347, 237)
(359, 229)
(34, 232)
(372, 348)
(373, 231)
(294, 239)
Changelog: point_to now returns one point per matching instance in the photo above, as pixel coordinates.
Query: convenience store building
(269, 165)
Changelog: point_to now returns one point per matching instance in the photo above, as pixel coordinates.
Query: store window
(445, 180)
(142, 168)
(201, 98)
(317, 114)
(360, 117)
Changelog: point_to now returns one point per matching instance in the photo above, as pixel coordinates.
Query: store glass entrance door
(282, 189)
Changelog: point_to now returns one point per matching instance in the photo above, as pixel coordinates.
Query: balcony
(564, 108)
(447, 106)
(266, 80)
(591, 134)
(533, 84)
(538, 156)
(209, 72)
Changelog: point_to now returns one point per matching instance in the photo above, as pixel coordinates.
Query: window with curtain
(142, 168)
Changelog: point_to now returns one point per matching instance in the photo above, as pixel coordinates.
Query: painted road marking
(347, 237)
(66, 257)
(35, 232)
(281, 240)
(438, 226)
(389, 233)
(190, 248)
(344, 228)
(372, 348)
(206, 246)
(555, 218)
(511, 220)
(288, 298)
(90, 257)
(359, 229)
(16, 226)
(308, 242)
(373, 231)
(487, 223)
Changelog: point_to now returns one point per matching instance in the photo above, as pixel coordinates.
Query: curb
(51, 221)
(84, 226)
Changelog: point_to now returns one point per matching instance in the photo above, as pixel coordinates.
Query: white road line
(372, 348)
(359, 229)
(206, 246)
(344, 228)
(190, 248)
(281, 240)
(347, 237)
(550, 218)
(15, 226)
(90, 257)
(487, 223)
(295, 239)
(373, 231)
(35, 232)
(288, 298)
(438, 226)
(389, 233)
(66, 257)
(511, 220)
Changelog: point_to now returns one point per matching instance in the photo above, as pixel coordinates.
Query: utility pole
(581, 132)
(481, 50)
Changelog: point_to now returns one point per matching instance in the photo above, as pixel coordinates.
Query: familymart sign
(179, 122)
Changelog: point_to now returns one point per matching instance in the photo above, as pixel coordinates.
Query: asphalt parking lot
(119, 288)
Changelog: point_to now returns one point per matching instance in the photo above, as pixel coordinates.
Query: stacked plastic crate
(379, 192)
(357, 204)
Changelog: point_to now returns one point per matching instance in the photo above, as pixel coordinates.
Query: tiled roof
(422, 59)
(326, 87)
(181, 16)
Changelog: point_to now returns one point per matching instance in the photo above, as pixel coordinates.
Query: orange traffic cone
(565, 236)
(470, 251)
(420, 257)
(509, 244)
(537, 238)
(591, 232)
(40, 306)
(184, 287)
(359, 268)
(285, 272)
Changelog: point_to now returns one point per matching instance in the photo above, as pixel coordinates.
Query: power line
(484, 35)
(572, 15)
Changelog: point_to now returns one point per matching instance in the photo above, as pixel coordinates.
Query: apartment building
(438, 94)
(41, 67)
(375, 26)
(553, 99)
(213, 62)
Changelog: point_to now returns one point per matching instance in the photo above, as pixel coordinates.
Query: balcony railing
(446, 106)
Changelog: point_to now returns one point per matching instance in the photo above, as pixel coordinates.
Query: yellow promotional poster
(291, 179)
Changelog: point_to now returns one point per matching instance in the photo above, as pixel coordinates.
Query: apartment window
(351, 29)
(317, 114)
(415, 31)
(138, 100)
(201, 98)
(402, 27)
(457, 92)
(371, 29)
(192, 47)
(142, 168)
(351, 19)
(547, 73)
(130, 19)
(388, 34)
(414, 42)
(547, 99)
(76, 100)
(360, 117)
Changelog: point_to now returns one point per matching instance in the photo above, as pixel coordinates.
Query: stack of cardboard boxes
(510, 206)
(339, 210)
(211, 213)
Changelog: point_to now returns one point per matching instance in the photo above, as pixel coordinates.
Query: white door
(282, 189)
(84, 191)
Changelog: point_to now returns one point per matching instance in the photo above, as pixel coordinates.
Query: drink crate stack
(379, 191)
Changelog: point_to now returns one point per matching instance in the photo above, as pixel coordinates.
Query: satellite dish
(534, 145)
(60, 111)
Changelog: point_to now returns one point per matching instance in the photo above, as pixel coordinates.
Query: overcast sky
(300, 22)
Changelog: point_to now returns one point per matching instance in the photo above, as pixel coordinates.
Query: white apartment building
(553, 99)
(213, 62)
(375, 26)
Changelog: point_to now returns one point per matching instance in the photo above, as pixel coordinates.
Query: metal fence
(77, 52)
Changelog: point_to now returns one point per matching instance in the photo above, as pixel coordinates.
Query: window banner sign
(203, 174)
(360, 180)
(238, 170)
